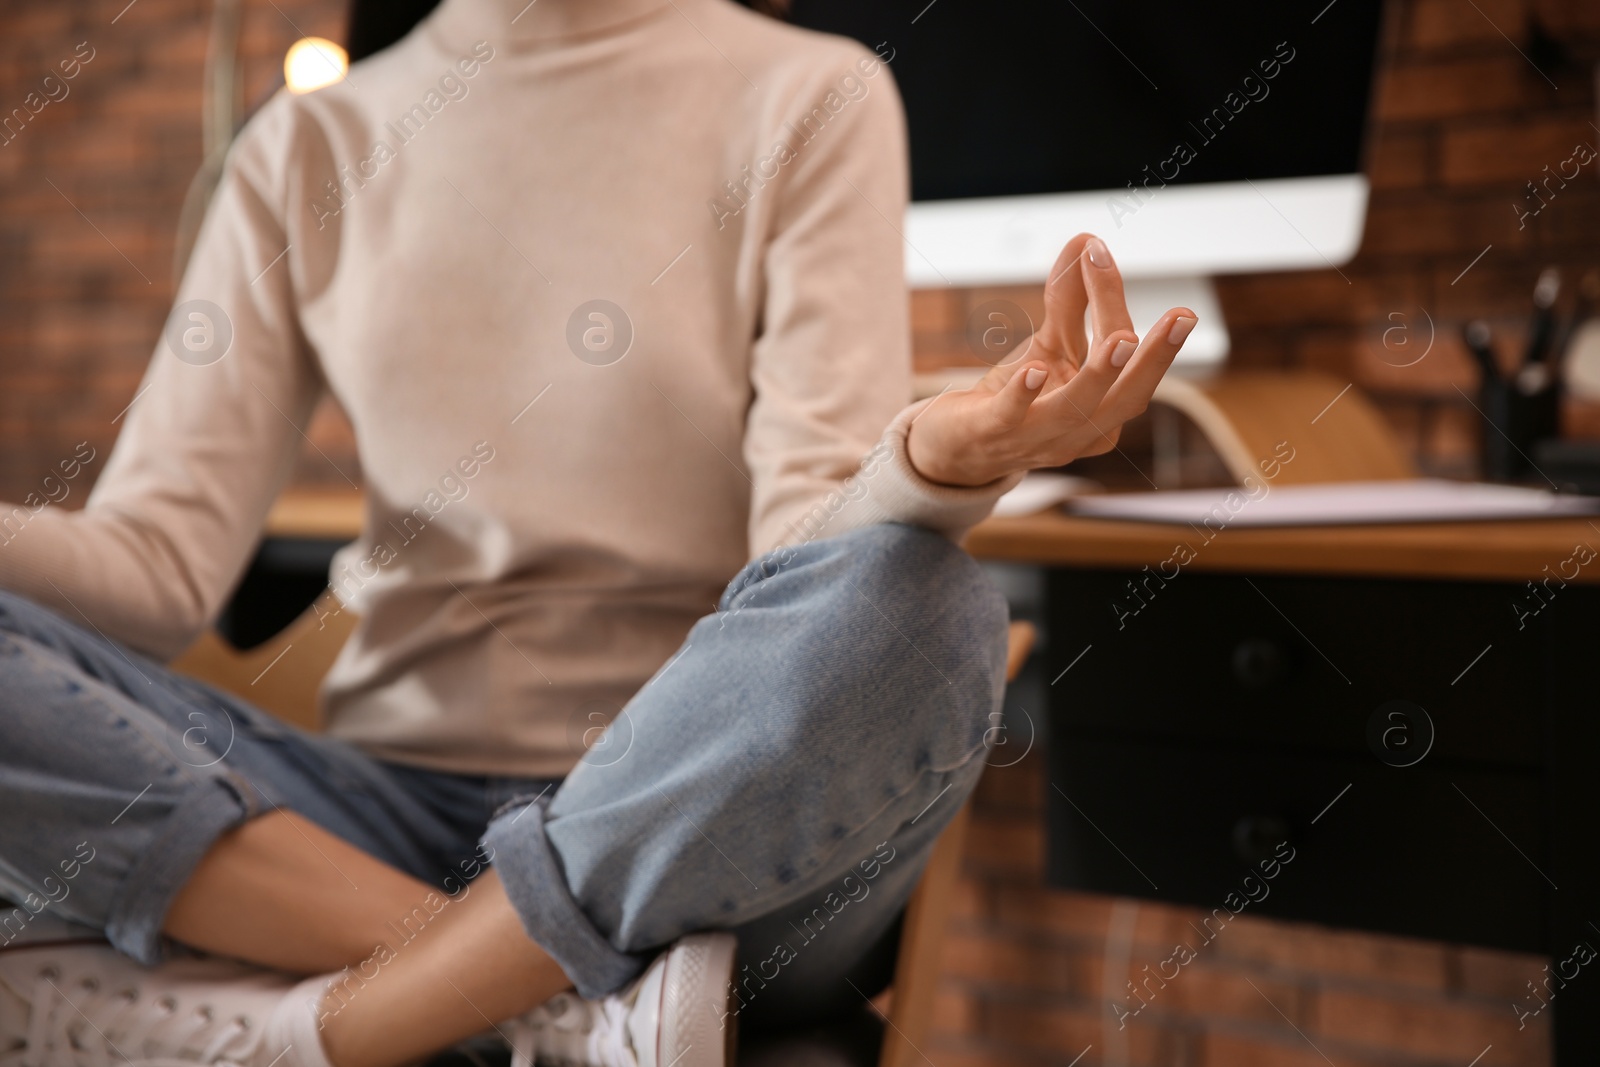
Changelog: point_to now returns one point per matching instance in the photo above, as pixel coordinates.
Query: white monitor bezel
(1167, 241)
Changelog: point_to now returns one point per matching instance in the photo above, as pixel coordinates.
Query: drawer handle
(1259, 663)
(1400, 733)
(1256, 837)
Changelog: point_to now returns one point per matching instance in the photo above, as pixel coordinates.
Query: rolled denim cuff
(139, 908)
(537, 888)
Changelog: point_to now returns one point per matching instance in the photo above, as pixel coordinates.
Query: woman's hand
(1065, 395)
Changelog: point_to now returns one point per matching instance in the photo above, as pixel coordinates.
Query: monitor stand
(1206, 350)
(1203, 355)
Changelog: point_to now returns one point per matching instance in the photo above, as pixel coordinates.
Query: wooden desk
(1201, 712)
(1513, 551)
(331, 514)
(1509, 551)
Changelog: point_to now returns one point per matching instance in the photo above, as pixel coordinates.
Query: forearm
(102, 571)
(886, 487)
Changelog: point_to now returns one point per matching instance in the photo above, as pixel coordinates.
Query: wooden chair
(1338, 435)
(282, 676)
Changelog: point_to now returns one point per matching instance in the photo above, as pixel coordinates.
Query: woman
(612, 294)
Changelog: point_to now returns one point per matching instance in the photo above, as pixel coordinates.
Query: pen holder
(1515, 418)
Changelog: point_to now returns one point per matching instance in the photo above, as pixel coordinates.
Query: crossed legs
(797, 758)
(283, 892)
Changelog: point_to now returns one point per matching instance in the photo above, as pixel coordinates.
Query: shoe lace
(568, 1031)
(112, 1027)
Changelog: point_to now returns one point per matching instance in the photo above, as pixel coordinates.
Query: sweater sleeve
(206, 444)
(831, 367)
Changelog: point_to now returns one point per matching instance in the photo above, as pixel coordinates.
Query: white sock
(296, 1026)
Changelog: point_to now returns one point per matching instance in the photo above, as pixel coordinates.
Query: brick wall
(90, 190)
(89, 198)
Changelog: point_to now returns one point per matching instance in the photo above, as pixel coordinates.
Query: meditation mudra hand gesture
(1064, 395)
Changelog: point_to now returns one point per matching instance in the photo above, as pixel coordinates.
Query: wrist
(943, 466)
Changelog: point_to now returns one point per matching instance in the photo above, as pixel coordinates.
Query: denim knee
(902, 628)
(844, 687)
(931, 572)
(947, 596)
(911, 558)
(935, 569)
(19, 615)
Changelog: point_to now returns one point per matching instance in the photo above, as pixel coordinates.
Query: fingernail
(1180, 330)
(1122, 353)
(1033, 377)
(1099, 254)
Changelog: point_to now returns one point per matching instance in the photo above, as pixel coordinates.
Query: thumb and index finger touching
(1084, 282)
(1086, 367)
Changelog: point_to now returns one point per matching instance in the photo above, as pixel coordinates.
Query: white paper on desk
(1334, 503)
(1040, 490)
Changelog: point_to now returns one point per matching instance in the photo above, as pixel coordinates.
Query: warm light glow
(312, 63)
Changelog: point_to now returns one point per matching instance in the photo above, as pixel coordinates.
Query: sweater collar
(539, 20)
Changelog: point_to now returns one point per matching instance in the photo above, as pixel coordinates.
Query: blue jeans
(784, 777)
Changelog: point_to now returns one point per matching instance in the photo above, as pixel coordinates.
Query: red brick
(1438, 24)
(1205, 993)
(1299, 299)
(1483, 85)
(1401, 160)
(1517, 152)
(955, 1013)
(1015, 789)
(1498, 288)
(1028, 298)
(972, 899)
(936, 352)
(1332, 352)
(1062, 914)
(1423, 1026)
(1257, 349)
(1580, 419)
(1011, 846)
(1087, 917)
(997, 962)
(134, 103)
(1446, 368)
(1066, 1031)
(1285, 1049)
(955, 1052)
(936, 311)
(1564, 227)
(1410, 227)
(1573, 16)
(1493, 973)
(1306, 950)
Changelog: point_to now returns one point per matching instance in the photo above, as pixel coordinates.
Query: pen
(1476, 336)
(1545, 292)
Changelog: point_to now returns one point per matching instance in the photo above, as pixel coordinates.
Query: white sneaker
(87, 1005)
(673, 1015)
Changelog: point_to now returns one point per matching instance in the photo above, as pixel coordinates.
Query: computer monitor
(1196, 138)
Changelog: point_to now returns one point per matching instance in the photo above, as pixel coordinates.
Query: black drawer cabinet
(1196, 721)
(1293, 662)
(1389, 853)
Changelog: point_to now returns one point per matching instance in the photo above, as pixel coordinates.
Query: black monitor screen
(1007, 98)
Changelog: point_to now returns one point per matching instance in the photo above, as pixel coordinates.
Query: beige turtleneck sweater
(552, 498)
